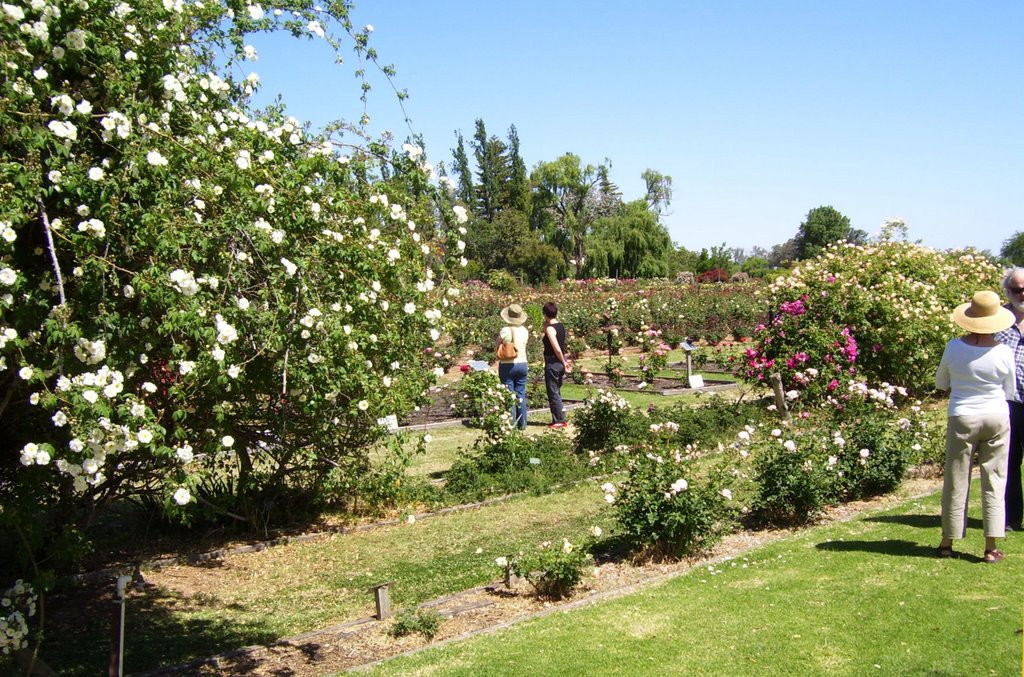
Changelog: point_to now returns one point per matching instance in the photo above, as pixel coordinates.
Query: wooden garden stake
(780, 396)
(381, 597)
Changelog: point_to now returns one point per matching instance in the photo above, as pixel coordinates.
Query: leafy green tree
(493, 244)
(493, 171)
(563, 205)
(539, 262)
(782, 254)
(606, 198)
(822, 227)
(659, 190)
(755, 266)
(1013, 249)
(718, 258)
(682, 259)
(197, 299)
(632, 243)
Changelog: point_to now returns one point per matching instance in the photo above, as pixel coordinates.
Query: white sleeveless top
(518, 336)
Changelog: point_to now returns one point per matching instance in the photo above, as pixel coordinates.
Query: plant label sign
(696, 381)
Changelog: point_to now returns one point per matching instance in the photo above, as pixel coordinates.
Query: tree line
(567, 218)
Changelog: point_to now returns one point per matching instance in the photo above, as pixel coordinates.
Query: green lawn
(857, 598)
(256, 598)
(445, 442)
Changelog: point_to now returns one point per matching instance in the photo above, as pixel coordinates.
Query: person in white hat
(980, 374)
(512, 371)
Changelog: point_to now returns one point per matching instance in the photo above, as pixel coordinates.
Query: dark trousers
(1014, 498)
(554, 372)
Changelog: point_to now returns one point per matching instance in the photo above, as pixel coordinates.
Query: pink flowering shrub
(654, 357)
(880, 312)
(812, 354)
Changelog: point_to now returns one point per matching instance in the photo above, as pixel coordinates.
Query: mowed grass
(256, 598)
(857, 598)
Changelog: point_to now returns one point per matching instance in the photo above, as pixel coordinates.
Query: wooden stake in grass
(383, 600)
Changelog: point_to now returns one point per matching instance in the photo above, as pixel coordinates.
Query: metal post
(116, 668)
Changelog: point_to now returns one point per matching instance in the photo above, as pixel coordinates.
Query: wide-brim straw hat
(984, 314)
(514, 314)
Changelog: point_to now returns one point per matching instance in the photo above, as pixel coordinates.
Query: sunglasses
(1015, 290)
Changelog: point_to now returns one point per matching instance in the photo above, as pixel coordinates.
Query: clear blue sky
(759, 111)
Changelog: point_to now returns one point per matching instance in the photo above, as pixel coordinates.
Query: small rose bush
(554, 570)
(674, 502)
(654, 355)
(858, 443)
(426, 622)
(485, 403)
(606, 421)
(513, 464)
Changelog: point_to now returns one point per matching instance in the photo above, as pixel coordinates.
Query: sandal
(944, 551)
(994, 555)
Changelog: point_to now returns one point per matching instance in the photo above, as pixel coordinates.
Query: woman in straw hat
(512, 370)
(979, 372)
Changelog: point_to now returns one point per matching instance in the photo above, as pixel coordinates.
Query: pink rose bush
(878, 312)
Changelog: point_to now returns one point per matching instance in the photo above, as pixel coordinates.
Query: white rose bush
(179, 269)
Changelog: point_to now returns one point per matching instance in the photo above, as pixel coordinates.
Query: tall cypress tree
(464, 190)
(492, 171)
(518, 193)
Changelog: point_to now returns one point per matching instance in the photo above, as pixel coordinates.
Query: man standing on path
(1013, 285)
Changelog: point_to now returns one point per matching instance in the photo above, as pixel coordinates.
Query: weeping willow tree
(632, 243)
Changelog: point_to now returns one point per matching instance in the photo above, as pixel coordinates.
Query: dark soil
(438, 409)
(440, 406)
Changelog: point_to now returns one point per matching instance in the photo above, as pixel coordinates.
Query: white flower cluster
(677, 487)
(17, 604)
(94, 227)
(882, 395)
(608, 397)
(184, 281)
(109, 382)
(91, 352)
(32, 454)
(114, 124)
(225, 332)
(7, 334)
